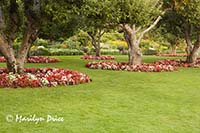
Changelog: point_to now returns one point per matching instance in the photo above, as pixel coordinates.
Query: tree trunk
(173, 49)
(29, 37)
(135, 54)
(129, 44)
(135, 57)
(98, 52)
(16, 64)
(8, 53)
(191, 50)
(96, 45)
(192, 57)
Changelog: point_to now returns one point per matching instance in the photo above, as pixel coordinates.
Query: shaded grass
(116, 101)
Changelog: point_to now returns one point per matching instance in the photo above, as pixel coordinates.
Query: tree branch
(137, 30)
(149, 28)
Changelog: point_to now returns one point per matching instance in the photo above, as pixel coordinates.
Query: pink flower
(125, 66)
(93, 57)
(39, 77)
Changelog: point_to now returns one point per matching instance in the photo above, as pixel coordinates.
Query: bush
(39, 52)
(60, 52)
(41, 42)
(106, 52)
(150, 52)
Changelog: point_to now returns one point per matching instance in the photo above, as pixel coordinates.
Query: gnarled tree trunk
(133, 41)
(135, 54)
(29, 37)
(15, 63)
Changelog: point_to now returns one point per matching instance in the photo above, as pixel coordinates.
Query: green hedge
(59, 52)
(55, 52)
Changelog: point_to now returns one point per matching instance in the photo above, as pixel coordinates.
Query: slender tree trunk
(98, 52)
(96, 46)
(173, 49)
(96, 40)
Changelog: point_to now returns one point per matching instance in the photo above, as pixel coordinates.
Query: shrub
(93, 57)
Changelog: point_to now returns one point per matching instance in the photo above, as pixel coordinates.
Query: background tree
(169, 31)
(95, 18)
(188, 13)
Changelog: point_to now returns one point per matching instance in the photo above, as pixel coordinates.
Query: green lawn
(115, 101)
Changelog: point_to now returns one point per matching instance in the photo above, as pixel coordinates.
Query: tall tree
(136, 18)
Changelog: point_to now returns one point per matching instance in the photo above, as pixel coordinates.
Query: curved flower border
(172, 55)
(36, 59)
(178, 63)
(135, 68)
(93, 57)
(40, 77)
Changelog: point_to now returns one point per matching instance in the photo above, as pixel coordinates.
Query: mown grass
(116, 101)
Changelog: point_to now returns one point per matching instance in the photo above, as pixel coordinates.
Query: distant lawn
(116, 101)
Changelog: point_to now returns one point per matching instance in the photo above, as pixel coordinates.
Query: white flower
(44, 81)
(12, 76)
(64, 78)
(31, 76)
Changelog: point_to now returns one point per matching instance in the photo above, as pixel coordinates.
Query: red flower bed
(2, 59)
(40, 77)
(125, 66)
(93, 57)
(36, 59)
(178, 63)
(172, 55)
(42, 59)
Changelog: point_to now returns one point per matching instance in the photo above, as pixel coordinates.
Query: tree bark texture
(191, 49)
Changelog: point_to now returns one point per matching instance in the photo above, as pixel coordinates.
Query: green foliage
(41, 42)
(54, 52)
(112, 36)
(140, 12)
(72, 43)
(61, 52)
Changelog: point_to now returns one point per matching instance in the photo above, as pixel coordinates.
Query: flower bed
(126, 67)
(178, 63)
(42, 59)
(2, 59)
(93, 57)
(36, 59)
(40, 77)
(172, 55)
